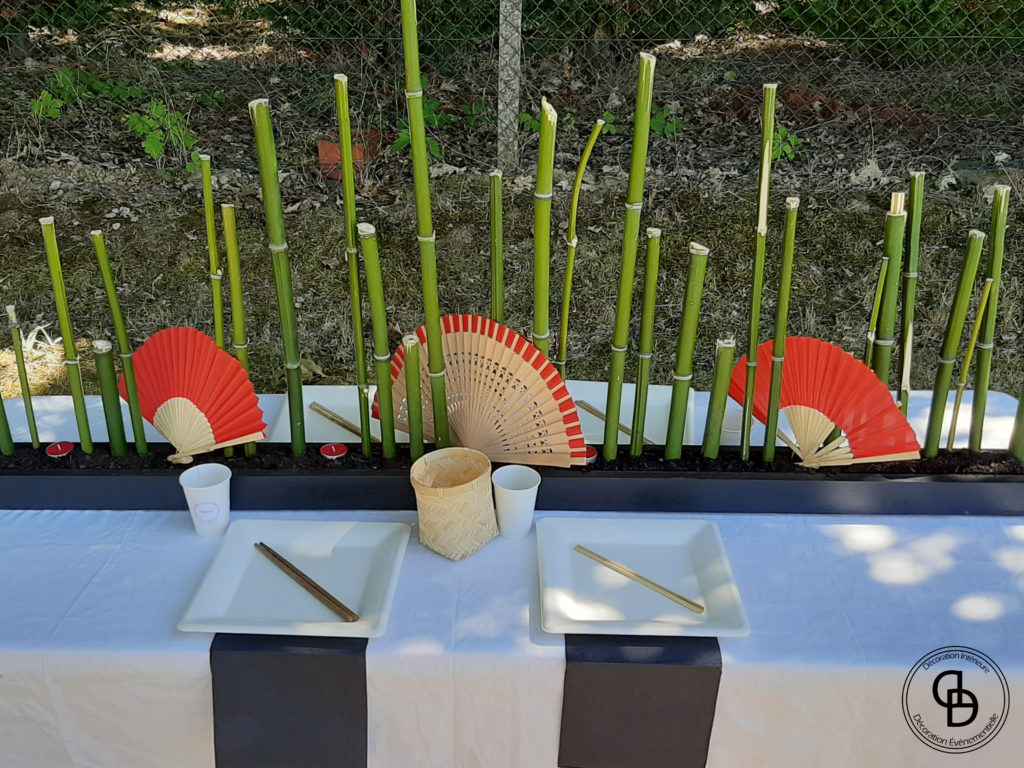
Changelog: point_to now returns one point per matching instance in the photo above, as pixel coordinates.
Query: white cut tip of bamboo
(46, 221)
(976, 234)
(255, 105)
(496, 173)
(410, 340)
(726, 343)
(644, 55)
(697, 249)
(341, 78)
(227, 206)
(771, 87)
(546, 108)
(366, 230)
(101, 346)
(11, 315)
(1003, 188)
(600, 122)
(917, 174)
(653, 232)
(898, 203)
(96, 233)
(792, 202)
(204, 158)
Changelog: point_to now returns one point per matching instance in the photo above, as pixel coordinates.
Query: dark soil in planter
(278, 458)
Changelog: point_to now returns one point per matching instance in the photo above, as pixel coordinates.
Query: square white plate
(244, 592)
(579, 595)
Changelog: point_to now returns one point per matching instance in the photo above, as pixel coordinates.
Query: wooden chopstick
(600, 414)
(631, 574)
(341, 421)
(308, 584)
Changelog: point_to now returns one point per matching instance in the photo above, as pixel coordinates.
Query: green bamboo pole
(764, 179)
(994, 271)
(211, 243)
(646, 347)
(913, 252)
(348, 185)
(724, 351)
(682, 376)
(239, 338)
(627, 268)
(425, 234)
(895, 227)
(961, 384)
(542, 228)
(6, 440)
(572, 243)
(781, 326)
(26, 390)
(124, 347)
(259, 112)
(876, 306)
(413, 395)
(497, 251)
(102, 353)
(381, 347)
(951, 342)
(64, 317)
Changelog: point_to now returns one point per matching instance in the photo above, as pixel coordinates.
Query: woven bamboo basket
(453, 497)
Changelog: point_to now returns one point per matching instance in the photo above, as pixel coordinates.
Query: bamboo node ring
(687, 377)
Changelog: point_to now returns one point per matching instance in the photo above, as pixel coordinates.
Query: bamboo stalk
(627, 265)
(724, 351)
(542, 228)
(682, 376)
(497, 251)
(259, 112)
(571, 243)
(64, 318)
(876, 306)
(961, 384)
(6, 439)
(646, 348)
(103, 356)
(760, 244)
(381, 347)
(913, 252)
(781, 326)
(425, 234)
(348, 186)
(994, 271)
(26, 390)
(337, 418)
(882, 344)
(211, 243)
(954, 330)
(239, 337)
(414, 398)
(123, 345)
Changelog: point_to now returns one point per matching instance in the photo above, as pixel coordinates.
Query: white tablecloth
(94, 673)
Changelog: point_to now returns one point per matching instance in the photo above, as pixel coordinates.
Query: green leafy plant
(161, 128)
(211, 99)
(609, 123)
(475, 114)
(76, 86)
(785, 145)
(46, 106)
(529, 122)
(434, 118)
(663, 121)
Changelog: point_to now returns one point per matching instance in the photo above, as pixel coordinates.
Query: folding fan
(505, 398)
(824, 387)
(194, 393)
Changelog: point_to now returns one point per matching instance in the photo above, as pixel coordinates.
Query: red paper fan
(824, 387)
(194, 393)
(505, 398)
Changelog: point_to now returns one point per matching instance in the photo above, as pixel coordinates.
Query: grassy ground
(858, 142)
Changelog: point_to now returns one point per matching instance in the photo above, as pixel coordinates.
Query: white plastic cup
(515, 496)
(208, 493)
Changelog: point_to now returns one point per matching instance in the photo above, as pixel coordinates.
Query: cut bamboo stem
(913, 253)
(337, 418)
(724, 351)
(781, 327)
(425, 234)
(994, 271)
(413, 395)
(682, 376)
(627, 265)
(64, 318)
(6, 439)
(572, 243)
(259, 112)
(211, 243)
(26, 390)
(646, 348)
(885, 336)
(961, 384)
(497, 251)
(124, 347)
(951, 342)
(381, 346)
(542, 228)
(239, 338)
(757, 280)
(348, 186)
(876, 306)
(102, 352)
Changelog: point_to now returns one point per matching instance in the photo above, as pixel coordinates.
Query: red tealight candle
(333, 451)
(57, 450)
(591, 454)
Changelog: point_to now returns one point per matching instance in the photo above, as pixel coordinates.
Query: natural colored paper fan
(194, 393)
(824, 387)
(505, 398)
